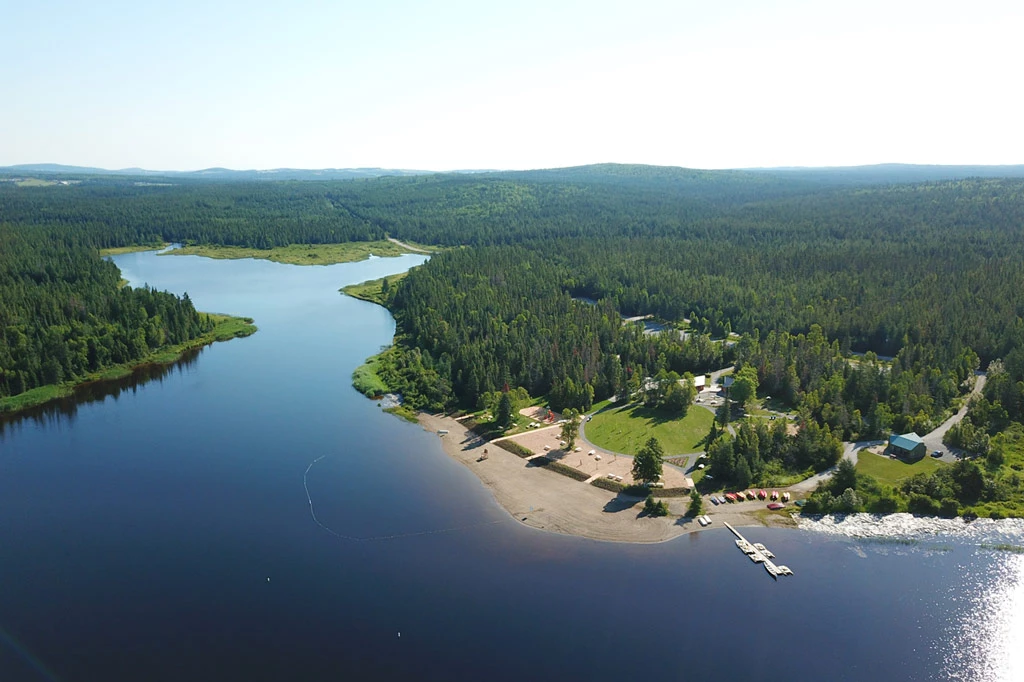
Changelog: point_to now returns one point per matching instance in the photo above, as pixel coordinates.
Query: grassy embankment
(891, 471)
(373, 290)
(626, 429)
(298, 254)
(226, 327)
(121, 250)
(366, 378)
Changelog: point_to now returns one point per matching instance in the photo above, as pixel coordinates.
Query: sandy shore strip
(550, 501)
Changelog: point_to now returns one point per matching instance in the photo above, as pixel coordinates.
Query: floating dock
(759, 554)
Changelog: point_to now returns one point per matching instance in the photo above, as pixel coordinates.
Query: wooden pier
(759, 554)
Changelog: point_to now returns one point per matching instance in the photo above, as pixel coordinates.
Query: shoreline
(548, 501)
(227, 327)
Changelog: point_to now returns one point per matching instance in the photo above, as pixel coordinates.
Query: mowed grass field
(626, 429)
(892, 471)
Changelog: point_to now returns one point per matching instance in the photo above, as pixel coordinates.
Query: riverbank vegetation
(297, 254)
(970, 487)
(220, 328)
(65, 315)
(121, 250)
(375, 290)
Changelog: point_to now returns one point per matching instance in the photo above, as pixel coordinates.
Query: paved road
(933, 441)
(715, 376)
(850, 451)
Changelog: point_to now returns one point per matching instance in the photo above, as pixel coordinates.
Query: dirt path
(406, 246)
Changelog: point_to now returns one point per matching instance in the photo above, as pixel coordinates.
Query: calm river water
(160, 529)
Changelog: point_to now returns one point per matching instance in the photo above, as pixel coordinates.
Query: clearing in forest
(626, 429)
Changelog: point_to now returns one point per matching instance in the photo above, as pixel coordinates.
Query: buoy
(268, 580)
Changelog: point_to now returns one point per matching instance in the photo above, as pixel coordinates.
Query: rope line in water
(396, 536)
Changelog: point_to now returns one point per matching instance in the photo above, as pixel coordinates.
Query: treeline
(64, 313)
(490, 318)
(860, 397)
(763, 455)
(876, 268)
(1001, 403)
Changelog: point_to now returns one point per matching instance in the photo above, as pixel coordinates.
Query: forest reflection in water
(64, 410)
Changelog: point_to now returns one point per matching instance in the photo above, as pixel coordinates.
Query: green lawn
(892, 471)
(626, 429)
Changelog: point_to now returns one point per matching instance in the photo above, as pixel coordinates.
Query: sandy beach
(550, 501)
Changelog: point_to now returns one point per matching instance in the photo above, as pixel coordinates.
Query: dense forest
(804, 268)
(64, 313)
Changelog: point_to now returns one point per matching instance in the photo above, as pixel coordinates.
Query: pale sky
(510, 85)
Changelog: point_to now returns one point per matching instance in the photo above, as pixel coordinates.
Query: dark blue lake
(159, 529)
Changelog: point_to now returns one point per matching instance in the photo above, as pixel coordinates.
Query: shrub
(654, 507)
(696, 507)
(515, 448)
(608, 484)
(922, 504)
(558, 467)
(883, 505)
(949, 507)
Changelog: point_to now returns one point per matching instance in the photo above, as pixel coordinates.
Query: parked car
(937, 453)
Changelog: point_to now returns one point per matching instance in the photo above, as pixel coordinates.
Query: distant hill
(616, 173)
(653, 177)
(217, 173)
(892, 173)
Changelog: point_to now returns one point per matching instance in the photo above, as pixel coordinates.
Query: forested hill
(607, 200)
(876, 266)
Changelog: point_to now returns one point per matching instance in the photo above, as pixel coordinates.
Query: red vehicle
(775, 494)
(730, 496)
(751, 495)
(763, 494)
(776, 505)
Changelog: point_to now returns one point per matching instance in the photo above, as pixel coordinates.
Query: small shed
(907, 446)
(700, 381)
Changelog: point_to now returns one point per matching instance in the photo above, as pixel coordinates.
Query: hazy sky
(513, 84)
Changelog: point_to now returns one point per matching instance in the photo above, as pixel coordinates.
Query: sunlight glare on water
(987, 646)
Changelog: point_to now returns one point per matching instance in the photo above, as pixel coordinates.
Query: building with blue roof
(907, 446)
